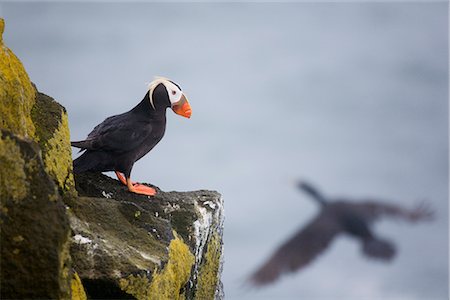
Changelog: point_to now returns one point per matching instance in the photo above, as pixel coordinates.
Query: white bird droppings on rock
(78, 238)
(107, 195)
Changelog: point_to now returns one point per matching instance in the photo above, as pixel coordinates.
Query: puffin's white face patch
(172, 90)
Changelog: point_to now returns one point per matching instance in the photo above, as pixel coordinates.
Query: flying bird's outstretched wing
(117, 133)
(300, 250)
(371, 211)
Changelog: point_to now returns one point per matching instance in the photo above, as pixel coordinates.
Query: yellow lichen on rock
(2, 28)
(168, 283)
(58, 157)
(78, 292)
(209, 271)
(17, 95)
(13, 179)
(35, 233)
(136, 285)
(53, 136)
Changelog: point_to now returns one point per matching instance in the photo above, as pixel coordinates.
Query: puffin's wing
(372, 211)
(116, 133)
(300, 250)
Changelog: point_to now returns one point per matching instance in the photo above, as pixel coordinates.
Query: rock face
(35, 229)
(35, 232)
(88, 237)
(52, 133)
(163, 247)
(16, 92)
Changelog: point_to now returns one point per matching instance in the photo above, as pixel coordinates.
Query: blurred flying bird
(119, 141)
(340, 216)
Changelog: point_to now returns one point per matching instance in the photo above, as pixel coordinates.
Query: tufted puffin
(335, 218)
(119, 141)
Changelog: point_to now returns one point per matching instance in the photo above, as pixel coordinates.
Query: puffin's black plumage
(336, 217)
(119, 141)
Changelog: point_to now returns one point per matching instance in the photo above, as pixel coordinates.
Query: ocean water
(352, 97)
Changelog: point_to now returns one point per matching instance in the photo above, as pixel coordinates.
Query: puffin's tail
(83, 145)
(85, 162)
(378, 248)
(312, 192)
(78, 144)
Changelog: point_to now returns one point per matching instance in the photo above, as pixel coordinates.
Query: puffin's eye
(174, 92)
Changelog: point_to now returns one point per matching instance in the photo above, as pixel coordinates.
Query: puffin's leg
(121, 177)
(140, 188)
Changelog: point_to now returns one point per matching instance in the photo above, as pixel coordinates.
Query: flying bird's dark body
(334, 218)
(119, 141)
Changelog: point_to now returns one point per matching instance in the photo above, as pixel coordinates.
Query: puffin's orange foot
(136, 187)
(142, 190)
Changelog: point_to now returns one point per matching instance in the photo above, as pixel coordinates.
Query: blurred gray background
(351, 96)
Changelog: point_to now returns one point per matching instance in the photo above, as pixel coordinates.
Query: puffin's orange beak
(182, 107)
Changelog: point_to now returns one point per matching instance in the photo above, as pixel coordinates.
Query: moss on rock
(167, 284)
(26, 112)
(110, 243)
(208, 277)
(34, 231)
(58, 159)
(78, 292)
(17, 94)
(13, 180)
(53, 136)
(2, 28)
(121, 240)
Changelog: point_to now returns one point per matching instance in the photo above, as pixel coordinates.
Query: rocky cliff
(84, 237)
(164, 247)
